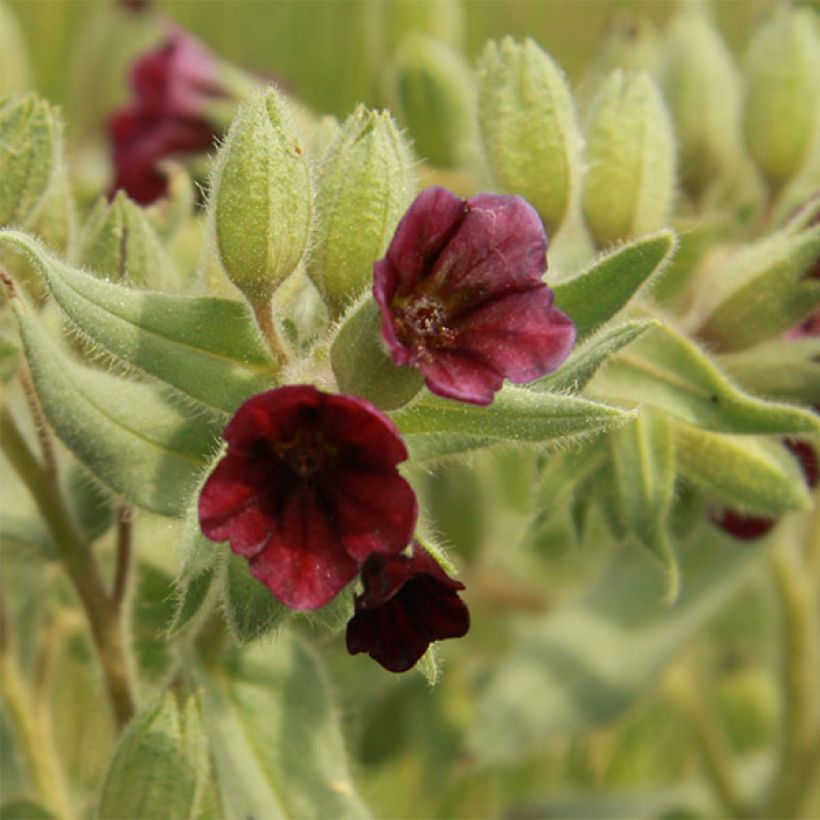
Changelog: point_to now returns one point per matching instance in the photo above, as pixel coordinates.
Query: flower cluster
(309, 490)
(172, 86)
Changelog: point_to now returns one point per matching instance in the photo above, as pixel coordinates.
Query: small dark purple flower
(407, 603)
(173, 85)
(308, 490)
(462, 298)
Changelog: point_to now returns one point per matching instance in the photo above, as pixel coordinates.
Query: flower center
(422, 324)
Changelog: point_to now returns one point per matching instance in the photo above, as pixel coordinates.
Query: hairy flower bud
(630, 177)
(528, 126)
(119, 243)
(261, 198)
(782, 108)
(702, 88)
(365, 184)
(435, 99)
(31, 143)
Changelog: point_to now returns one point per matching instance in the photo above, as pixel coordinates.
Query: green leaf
(363, 367)
(782, 369)
(251, 610)
(600, 292)
(585, 360)
(205, 347)
(586, 662)
(24, 809)
(665, 369)
(751, 474)
(159, 767)
(137, 439)
(191, 596)
(643, 453)
(517, 414)
(276, 742)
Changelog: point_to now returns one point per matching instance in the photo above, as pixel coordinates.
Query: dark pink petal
(304, 563)
(375, 511)
(500, 245)
(462, 377)
(423, 233)
(520, 335)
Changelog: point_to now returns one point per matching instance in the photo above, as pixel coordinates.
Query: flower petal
(304, 563)
(520, 335)
(461, 376)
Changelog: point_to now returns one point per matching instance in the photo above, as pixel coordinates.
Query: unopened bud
(761, 291)
(702, 88)
(31, 145)
(528, 126)
(440, 19)
(630, 178)
(119, 243)
(436, 100)
(782, 108)
(261, 198)
(364, 186)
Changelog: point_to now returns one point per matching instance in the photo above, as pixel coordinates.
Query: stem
(78, 562)
(124, 539)
(49, 461)
(714, 752)
(270, 332)
(800, 686)
(33, 736)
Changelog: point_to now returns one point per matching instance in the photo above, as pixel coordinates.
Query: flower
(307, 490)
(142, 140)
(173, 85)
(408, 602)
(462, 299)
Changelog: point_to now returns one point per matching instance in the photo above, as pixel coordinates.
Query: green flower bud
(119, 243)
(782, 108)
(260, 201)
(31, 144)
(435, 99)
(165, 748)
(15, 74)
(702, 88)
(630, 178)
(364, 186)
(528, 125)
(440, 19)
(631, 43)
(760, 291)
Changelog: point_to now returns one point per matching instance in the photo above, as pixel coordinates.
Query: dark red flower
(408, 602)
(462, 299)
(807, 456)
(743, 527)
(173, 85)
(176, 79)
(141, 141)
(307, 490)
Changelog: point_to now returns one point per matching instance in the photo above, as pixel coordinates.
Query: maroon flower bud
(807, 456)
(462, 299)
(307, 490)
(408, 602)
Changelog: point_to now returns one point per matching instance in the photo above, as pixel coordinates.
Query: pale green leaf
(251, 610)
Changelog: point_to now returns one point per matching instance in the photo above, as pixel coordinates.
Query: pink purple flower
(407, 603)
(462, 298)
(308, 490)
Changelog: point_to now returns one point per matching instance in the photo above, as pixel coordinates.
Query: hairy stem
(123, 567)
(270, 332)
(711, 743)
(799, 753)
(31, 732)
(78, 562)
